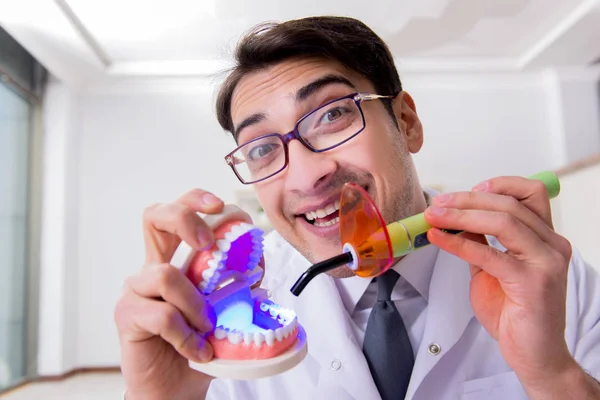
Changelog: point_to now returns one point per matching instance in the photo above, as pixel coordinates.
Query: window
(19, 85)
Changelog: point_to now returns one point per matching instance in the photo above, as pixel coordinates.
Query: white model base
(255, 369)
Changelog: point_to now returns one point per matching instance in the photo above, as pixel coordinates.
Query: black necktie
(387, 347)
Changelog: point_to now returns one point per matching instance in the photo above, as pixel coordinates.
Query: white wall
(137, 142)
(479, 126)
(58, 323)
(576, 212)
(137, 148)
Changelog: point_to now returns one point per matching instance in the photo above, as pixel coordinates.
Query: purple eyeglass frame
(358, 98)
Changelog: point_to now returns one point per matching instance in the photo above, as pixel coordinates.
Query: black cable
(319, 268)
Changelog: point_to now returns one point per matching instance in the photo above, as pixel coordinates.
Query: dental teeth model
(249, 326)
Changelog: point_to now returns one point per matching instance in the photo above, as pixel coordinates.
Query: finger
(501, 203)
(163, 319)
(532, 192)
(170, 284)
(201, 201)
(511, 232)
(179, 220)
(478, 254)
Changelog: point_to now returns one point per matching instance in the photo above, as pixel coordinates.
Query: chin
(341, 272)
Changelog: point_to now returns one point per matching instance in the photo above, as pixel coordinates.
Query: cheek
(371, 152)
(269, 197)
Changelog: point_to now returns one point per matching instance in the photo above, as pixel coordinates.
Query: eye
(260, 151)
(332, 115)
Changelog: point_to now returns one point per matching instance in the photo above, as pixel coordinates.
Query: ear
(410, 124)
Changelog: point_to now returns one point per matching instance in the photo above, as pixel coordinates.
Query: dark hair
(345, 40)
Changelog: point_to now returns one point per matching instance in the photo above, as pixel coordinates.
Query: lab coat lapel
(330, 337)
(449, 313)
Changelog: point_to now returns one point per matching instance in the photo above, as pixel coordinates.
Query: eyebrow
(301, 95)
(312, 87)
(251, 120)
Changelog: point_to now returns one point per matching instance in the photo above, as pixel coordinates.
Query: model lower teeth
(257, 335)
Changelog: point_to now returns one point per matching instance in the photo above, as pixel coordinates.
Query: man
(512, 320)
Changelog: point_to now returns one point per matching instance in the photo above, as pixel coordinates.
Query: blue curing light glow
(241, 312)
(236, 311)
(237, 315)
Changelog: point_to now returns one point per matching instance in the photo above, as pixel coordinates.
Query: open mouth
(327, 215)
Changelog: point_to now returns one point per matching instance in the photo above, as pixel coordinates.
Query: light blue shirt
(410, 295)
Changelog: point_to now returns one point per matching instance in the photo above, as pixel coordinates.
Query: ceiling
(80, 40)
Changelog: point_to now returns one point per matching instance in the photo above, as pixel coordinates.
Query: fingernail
(434, 210)
(210, 199)
(482, 187)
(205, 353)
(205, 238)
(207, 326)
(442, 198)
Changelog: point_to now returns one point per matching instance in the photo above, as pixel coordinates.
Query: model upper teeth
(216, 264)
(323, 212)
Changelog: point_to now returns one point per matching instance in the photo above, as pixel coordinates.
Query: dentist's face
(302, 201)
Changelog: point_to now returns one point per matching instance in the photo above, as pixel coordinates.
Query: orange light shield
(363, 228)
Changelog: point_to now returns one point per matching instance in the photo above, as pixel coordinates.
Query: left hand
(518, 296)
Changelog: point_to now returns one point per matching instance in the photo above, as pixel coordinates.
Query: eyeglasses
(322, 129)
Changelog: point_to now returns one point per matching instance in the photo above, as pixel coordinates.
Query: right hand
(161, 317)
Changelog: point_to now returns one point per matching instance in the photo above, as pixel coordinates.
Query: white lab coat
(469, 365)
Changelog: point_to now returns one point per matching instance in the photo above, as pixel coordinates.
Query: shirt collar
(416, 268)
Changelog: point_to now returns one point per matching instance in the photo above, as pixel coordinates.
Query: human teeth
(248, 338)
(270, 337)
(330, 209)
(328, 223)
(323, 212)
(264, 307)
(279, 334)
(259, 338)
(235, 337)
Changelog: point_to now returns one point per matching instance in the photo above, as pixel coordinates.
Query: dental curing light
(370, 246)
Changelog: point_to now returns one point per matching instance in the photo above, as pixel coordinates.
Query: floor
(81, 387)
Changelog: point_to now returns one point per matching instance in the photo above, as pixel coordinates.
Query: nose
(307, 171)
